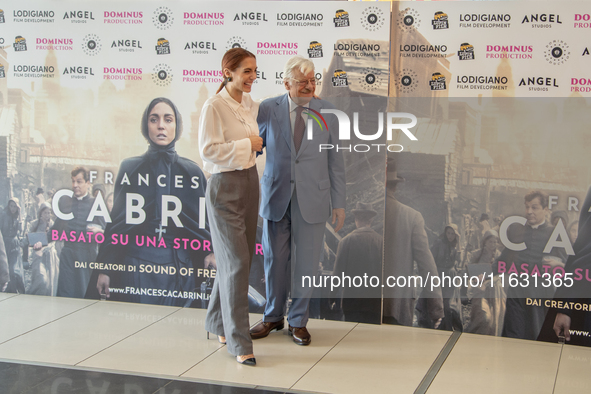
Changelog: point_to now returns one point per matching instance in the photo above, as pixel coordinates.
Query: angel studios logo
(91, 44)
(406, 80)
(371, 79)
(236, 42)
(162, 47)
(162, 18)
(466, 52)
(341, 19)
(440, 21)
(315, 50)
(20, 44)
(409, 20)
(557, 52)
(437, 82)
(162, 75)
(372, 19)
(339, 79)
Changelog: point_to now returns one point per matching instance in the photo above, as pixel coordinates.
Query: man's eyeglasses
(304, 82)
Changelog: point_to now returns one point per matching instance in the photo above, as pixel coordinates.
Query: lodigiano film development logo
(466, 52)
(406, 80)
(409, 20)
(162, 47)
(236, 42)
(2, 20)
(2, 72)
(556, 52)
(162, 18)
(437, 82)
(371, 79)
(339, 79)
(91, 44)
(162, 75)
(372, 19)
(341, 19)
(440, 21)
(20, 44)
(315, 50)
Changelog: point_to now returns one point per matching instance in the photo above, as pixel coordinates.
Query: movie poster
(98, 210)
(498, 173)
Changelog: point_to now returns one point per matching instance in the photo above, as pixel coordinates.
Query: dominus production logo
(372, 19)
(557, 52)
(466, 52)
(581, 85)
(437, 82)
(91, 44)
(406, 80)
(371, 79)
(315, 50)
(162, 47)
(162, 75)
(236, 42)
(341, 19)
(409, 20)
(339, 79)
(20, 44)
(162, 18)
(2, 20)
(440, 21)
(2, 72)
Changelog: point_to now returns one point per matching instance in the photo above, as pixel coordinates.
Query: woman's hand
(256, 143)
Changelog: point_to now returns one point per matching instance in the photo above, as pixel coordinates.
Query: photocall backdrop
(499, 91)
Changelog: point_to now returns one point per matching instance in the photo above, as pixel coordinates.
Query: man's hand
(102, 285)
(562, 324)
(338, 215)
(256, 143)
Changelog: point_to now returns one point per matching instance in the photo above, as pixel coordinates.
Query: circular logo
(162, 18)
(406, 81)
(557, 52)
(91, 44)
(409, 19)
(236, 42)
(162, 75)
(371, 79)
(372, 19)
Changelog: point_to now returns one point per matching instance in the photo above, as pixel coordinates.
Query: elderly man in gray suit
(406, 243)
(300, 187)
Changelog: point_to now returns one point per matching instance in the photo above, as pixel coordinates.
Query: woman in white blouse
(228, 142)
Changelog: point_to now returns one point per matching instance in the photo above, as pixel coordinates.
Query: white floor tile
(573, 373)
(24, 313)
(376, 359)
(280, 362)
(80, 335)
(483, 364)
(168, 347)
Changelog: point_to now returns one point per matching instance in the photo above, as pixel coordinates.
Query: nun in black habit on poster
(163, 274)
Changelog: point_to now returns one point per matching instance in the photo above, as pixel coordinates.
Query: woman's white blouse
(224, 128)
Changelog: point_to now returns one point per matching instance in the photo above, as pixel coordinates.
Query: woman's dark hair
(177, 118)
(231, 60)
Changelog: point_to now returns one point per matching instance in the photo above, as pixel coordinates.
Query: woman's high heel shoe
(221, 339)
(247, 360)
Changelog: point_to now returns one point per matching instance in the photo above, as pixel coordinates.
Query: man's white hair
(299, 63)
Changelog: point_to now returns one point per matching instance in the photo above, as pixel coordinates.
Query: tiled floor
(59, 345)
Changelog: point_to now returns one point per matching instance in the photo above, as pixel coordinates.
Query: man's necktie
(298, 129)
